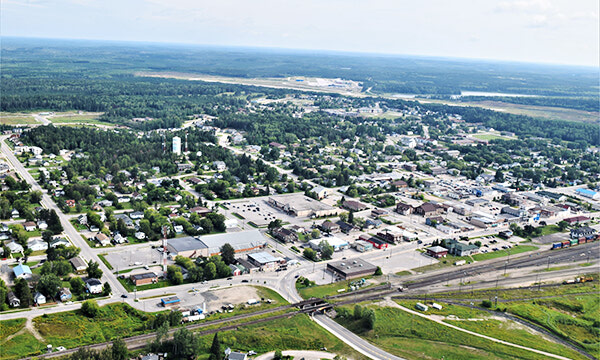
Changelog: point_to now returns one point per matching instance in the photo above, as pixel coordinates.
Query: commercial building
(208, 245)
(437, 252)
(590, 194)
(264, 260)
(335, 242)
(350, 269)
(302, 206)
(362, 245)
(143, 279)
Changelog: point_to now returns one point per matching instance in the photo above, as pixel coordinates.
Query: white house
(14, 247)
(39, 299)
(94, 286)
(37, 245)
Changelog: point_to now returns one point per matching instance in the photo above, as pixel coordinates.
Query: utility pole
(505, 265)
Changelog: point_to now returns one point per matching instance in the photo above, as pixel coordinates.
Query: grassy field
(15, 120)
(321, 291)
(414, 337)
(79, 120)
(574, 317)
(490, 137)
(298, 332)
(21, 345)
(500, 253)
(503, 330)
(8, 327)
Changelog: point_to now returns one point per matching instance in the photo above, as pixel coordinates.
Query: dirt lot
(235, 295)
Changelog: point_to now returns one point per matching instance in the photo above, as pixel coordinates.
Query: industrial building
(350, 269)
(335, 242)
(208, 245)
(302, 206)
(264, 260)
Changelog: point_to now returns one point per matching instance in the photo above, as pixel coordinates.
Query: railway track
(139, 341)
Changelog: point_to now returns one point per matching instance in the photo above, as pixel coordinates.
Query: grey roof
(263, 257)
(77, 263)
(238, 240)
(93, 281)
(185, 244)
(437, 249)
(237, 356)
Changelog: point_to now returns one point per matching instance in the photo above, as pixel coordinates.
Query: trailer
(422, 307)
(557, 245)
(574, 242)
(566, 244)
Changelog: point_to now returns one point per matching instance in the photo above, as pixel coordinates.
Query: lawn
(414, 337)
(103, 259)
(500, 253)
(129, 285)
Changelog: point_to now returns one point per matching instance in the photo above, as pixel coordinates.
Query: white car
(61, 348)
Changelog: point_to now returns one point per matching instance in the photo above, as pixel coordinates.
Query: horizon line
(286, 49)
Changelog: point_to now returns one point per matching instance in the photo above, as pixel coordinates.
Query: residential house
(14, 247)
(404, 209)
(65, 294)
(42, 225)
(136, 215)
(37, 245)
(346, 228)
(102, 239)
(285, 235)
(376, 213)
(329, 227)
(70, 203)
(200, 210)
(82, 219)
(13, 300)
(94, 286)
(39, 298)
(59, 241)
(79, 265)
(29, 226)
(22, 271)
(429, 209)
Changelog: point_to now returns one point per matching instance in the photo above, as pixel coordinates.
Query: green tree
(77, 285)
(326, 249)
(378, 271)
(228, 254)
(48, 285)
(275, 224)
(310, 254)
(94, 270)
(215, 349)
(90, 308)
(3, 294)
(119, 350)
(23, 293)
(210, 271)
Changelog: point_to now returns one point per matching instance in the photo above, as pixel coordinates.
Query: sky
(540, 31)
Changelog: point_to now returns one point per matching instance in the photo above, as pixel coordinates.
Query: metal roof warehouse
(209, 245)
(348, 269)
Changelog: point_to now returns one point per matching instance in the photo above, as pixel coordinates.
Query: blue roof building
(22, 271)
(588, 193)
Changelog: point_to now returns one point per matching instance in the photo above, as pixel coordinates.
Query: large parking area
(133, 257)
(258, 212)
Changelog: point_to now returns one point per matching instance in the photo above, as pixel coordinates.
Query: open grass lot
(70, 329)
(9, 327)
(321, 291)
(298, 332)
(500, 253)
(490, 137)
(515, 333)
(575, 317)
(413, 337)
(16, 120)
(21, 345)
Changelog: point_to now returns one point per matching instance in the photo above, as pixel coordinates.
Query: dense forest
(383, 74)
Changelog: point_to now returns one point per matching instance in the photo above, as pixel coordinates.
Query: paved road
(299, 354)
(69, 229)
(353, 340)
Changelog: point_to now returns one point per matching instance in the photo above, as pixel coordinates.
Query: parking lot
(259, 212)
(126, 257)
